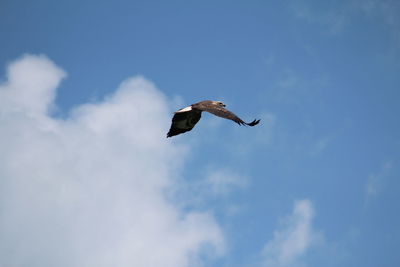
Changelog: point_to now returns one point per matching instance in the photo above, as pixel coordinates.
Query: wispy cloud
(88, 190)
(218, 183)
(294, 239)
(321, 144)
(224, 181)
(375, 181)
(334, 16)
(386, 11)
(292, 87)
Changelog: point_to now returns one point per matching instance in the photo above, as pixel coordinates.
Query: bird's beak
(223, 105)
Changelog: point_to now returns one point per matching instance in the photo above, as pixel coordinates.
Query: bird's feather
(186, 118)
(222, 112)
(183, 121)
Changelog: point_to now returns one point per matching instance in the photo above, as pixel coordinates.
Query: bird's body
(186, 118)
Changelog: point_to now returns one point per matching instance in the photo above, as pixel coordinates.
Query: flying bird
(186, 118)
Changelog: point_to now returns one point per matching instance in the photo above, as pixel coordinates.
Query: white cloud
(30, 85)
(88, 190)
(294, 239)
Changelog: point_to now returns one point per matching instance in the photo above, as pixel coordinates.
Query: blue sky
(87, 93)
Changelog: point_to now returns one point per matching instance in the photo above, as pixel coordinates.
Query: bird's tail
(253, 123)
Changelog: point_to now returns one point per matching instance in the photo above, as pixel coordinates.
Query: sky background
(88, 177)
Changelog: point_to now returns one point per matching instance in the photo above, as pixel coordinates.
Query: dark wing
(183, 122)
(224, 113)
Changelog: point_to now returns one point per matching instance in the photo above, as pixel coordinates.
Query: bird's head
(219, 103)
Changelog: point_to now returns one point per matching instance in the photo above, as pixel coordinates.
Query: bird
(185, 119)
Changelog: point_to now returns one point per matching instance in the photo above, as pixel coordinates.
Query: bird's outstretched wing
(223, 113)
(183, 121)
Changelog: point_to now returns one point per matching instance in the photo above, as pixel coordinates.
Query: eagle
(186, 118)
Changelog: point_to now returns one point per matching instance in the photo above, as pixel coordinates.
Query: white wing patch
(189, 108)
